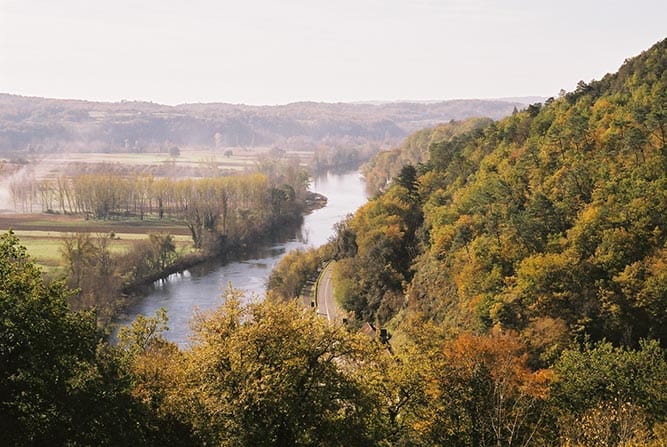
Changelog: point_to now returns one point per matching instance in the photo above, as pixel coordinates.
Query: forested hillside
(386, 165)
(521, 269)
(550, 222)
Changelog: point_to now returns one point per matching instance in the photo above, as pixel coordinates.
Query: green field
(45, 246)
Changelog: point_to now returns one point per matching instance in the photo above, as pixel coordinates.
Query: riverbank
(203, 286)
(314, 201)
(228, 250)
(113, 262)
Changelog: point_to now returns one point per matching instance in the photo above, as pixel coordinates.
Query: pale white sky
(280, 51)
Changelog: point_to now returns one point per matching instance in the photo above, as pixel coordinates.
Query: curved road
(326, 304)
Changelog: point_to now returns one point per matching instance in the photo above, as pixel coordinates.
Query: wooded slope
(550, 222)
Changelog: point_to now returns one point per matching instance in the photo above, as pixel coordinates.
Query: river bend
(201, 287)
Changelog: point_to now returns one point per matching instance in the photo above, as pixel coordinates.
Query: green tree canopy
(58, 384)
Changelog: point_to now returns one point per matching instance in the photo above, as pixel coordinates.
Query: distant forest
(42, 125)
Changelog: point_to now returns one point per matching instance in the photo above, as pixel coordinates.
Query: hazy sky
(280, 51)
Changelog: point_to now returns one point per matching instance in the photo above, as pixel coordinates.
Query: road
(326, 304)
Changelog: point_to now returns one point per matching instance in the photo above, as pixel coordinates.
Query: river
(200, 288)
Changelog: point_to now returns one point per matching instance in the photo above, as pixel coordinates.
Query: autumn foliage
(520, 271)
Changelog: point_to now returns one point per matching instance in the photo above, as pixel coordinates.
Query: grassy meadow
(43, 234)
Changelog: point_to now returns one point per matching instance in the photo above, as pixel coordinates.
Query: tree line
(226, 216)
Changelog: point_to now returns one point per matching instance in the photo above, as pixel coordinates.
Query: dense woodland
(381, 169)
(520, 268)
(547, 226)
(553, 216)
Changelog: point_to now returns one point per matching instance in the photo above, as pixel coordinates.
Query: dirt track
(65, 224)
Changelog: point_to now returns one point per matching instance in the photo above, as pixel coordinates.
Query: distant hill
(54, 125)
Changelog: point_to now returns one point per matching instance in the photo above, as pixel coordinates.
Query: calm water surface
(201, 287)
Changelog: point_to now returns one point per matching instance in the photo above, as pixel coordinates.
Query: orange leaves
(481, 387)
(503, 356)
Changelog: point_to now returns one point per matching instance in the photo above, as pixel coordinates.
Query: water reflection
(201, 287)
